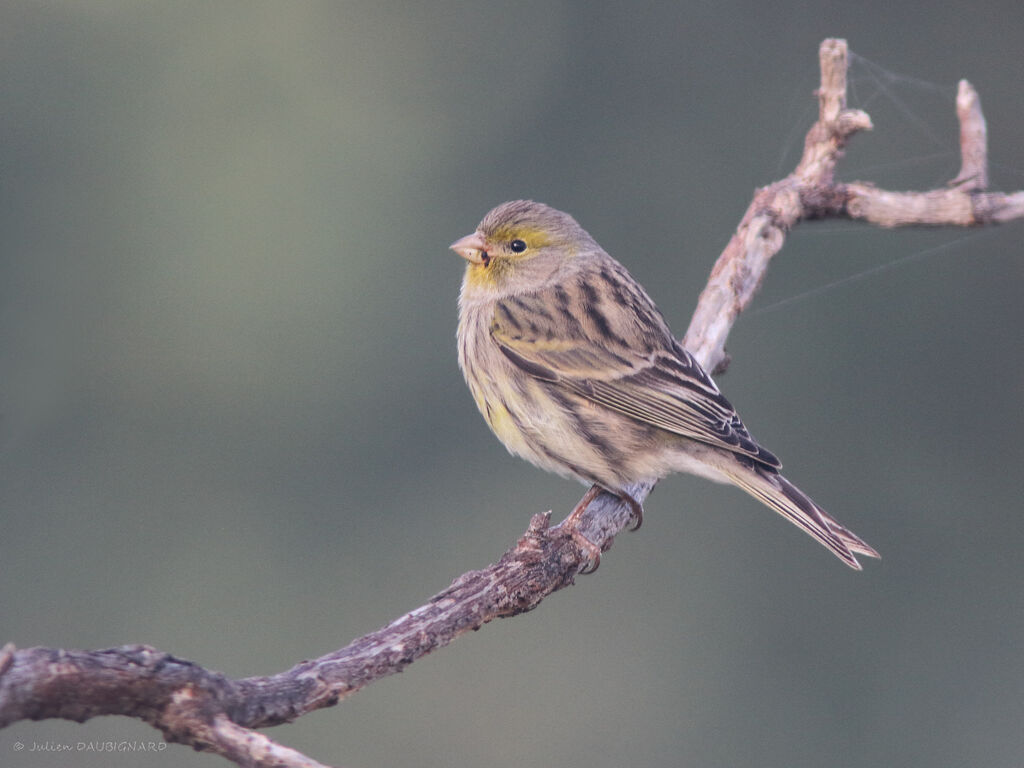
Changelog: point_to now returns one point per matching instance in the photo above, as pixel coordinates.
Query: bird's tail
(769, 487)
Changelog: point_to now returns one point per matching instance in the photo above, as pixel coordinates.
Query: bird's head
(521, 246)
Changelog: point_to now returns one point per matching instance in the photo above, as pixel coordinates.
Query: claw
(591, 552)
(637, 517)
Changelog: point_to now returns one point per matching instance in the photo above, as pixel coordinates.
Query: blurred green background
(232, 425)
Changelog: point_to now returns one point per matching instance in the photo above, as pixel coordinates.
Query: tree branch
(208, 711)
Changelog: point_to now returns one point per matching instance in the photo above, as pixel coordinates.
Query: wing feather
(626, 361)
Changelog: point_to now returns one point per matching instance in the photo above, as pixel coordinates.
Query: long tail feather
(772, 489)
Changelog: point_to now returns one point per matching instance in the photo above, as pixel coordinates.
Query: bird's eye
(517, 246)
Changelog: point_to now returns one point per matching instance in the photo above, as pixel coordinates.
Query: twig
(206, 710)
(973, 140)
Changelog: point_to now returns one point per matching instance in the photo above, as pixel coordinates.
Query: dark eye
(517, 246)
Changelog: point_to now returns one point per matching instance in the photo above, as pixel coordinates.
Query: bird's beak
(472, 248)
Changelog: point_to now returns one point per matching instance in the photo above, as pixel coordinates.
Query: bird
(575, 369)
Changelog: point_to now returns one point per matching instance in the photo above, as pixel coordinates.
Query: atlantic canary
(575, 370)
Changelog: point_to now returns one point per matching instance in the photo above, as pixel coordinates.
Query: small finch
(575, 370)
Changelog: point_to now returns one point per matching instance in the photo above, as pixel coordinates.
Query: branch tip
(973, 174)
(6, 657)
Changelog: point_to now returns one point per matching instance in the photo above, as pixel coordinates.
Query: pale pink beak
(472, 248)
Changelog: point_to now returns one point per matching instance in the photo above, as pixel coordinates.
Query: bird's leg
(590, 549)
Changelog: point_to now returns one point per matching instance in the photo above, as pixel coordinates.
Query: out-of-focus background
(232, 425)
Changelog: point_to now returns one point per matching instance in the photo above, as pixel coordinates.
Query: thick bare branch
(206, 710)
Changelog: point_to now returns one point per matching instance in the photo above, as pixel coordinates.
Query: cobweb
(914, 146)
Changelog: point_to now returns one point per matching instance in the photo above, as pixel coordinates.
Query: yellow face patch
(534, 238)
(490, 276)
(502, 261)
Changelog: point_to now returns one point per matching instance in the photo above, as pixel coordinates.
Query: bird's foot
(590, 550)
